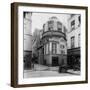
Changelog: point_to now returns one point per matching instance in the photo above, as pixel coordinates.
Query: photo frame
(49, 44)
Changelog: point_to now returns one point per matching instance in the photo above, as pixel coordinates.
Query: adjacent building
(73, 41)
(27, 39)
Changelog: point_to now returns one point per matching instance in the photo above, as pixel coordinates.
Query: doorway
(55, 61)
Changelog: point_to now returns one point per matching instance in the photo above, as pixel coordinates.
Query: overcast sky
(38, 19)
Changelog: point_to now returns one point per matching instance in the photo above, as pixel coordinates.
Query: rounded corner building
(53, 43)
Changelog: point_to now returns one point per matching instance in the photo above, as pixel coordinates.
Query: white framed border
(22, 80)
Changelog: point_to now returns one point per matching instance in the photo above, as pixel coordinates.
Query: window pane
(72, 42)
(54, 48)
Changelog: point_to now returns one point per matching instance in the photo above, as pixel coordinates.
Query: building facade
(73, 41)
(27, 39)
(52, 50)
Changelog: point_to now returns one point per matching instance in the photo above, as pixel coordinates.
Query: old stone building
(52, 49)
(73, 41)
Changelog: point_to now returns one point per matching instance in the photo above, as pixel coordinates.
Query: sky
(38, 19)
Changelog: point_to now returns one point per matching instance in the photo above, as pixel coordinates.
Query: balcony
(53, 33)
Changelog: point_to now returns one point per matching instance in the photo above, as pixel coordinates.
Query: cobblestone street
(45, 71)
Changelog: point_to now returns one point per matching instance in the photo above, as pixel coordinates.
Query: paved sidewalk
(28, 74)
(38, 67)
(45, 71)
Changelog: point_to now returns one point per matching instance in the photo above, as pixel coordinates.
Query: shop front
(73, 58)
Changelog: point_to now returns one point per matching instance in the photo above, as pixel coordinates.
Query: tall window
(59, 26)
(72, 42)
(73, 25)
(50, 25)
(54, 48)
(44, 49)
(78, 40)
(47, 46)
